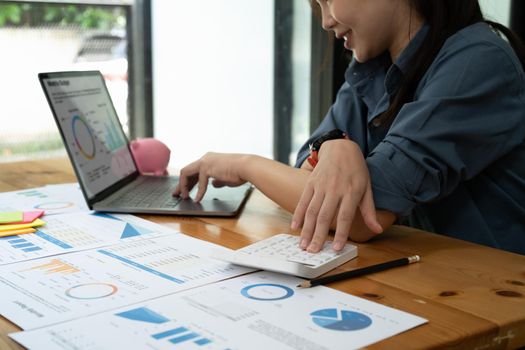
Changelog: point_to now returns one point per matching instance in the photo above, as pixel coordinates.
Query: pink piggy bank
(151, 155)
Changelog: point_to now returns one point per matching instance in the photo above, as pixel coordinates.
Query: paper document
(55, 289)
(73, 232)
(53, 199)
(255, 311)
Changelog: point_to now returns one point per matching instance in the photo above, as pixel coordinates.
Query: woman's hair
(444, 18)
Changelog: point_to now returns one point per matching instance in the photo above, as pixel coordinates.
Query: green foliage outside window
(16, 14)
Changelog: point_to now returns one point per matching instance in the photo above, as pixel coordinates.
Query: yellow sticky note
(17, 232)
(35, 223)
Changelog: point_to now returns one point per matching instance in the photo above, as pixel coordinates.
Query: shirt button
(376, 123)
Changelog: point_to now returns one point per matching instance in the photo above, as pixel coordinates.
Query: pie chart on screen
(340, 320)
(84, 138)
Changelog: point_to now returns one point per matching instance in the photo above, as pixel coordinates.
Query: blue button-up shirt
(453, 159)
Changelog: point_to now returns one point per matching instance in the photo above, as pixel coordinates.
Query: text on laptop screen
(91, 130)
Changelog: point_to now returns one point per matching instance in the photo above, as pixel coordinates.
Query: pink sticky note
(30, 216)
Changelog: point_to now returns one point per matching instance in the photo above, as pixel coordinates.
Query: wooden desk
(473, 296)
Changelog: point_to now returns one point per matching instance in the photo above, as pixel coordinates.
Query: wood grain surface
(473, 296)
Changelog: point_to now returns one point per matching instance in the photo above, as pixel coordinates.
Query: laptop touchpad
(223, 200)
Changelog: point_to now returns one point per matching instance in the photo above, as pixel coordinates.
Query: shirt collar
(358, 73)
(395, 73)
(404, 58)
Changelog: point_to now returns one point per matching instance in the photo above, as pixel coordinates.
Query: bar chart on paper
(59, 288)
(135, 328)
(176, 335)
(19, 243)
(33, 193)
(73, 232)
(54, 266)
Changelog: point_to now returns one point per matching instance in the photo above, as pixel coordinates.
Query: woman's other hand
(222, 167)
(337, 186)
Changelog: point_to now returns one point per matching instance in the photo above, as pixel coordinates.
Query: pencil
(360, 272)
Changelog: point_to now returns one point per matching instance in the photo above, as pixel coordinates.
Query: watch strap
(316, 145)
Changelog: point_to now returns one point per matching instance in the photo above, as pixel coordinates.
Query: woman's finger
(203, 186)
(176, 191)
(310, 219)
(185, 177)
(345, 217)
(368, 210)
(324, 219)
(183, 184)
(302, 206)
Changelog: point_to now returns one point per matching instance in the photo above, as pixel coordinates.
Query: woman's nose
(328, 22)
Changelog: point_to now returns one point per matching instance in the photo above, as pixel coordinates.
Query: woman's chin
(361, 57)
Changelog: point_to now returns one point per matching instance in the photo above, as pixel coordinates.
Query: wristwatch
(316, 145)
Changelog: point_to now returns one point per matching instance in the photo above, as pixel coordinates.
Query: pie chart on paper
(340, 320)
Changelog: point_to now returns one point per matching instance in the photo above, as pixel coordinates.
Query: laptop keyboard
(148, 192)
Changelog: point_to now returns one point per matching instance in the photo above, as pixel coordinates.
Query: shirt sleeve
(468, 112)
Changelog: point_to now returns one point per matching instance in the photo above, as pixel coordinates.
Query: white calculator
(281, 253)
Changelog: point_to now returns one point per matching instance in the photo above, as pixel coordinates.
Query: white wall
(213, 77)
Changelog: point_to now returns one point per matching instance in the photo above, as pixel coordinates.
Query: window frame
(140, 82)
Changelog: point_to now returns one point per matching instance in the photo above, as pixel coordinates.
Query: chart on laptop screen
(91, 130)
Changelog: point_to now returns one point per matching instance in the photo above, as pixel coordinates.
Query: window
(232, 76)
(223, 70)
(213, 76)
(292, 74)
(41, 37)
(496, 10)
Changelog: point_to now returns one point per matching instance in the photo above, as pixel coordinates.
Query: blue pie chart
(343, 321)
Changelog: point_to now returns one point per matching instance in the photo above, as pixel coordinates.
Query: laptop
(100, 153)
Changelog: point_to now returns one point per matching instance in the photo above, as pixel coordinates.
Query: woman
(428, 130)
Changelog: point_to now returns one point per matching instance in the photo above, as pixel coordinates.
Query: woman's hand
(223, 168)
(337, 186)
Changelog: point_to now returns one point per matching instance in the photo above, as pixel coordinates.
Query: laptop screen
(91, 130)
